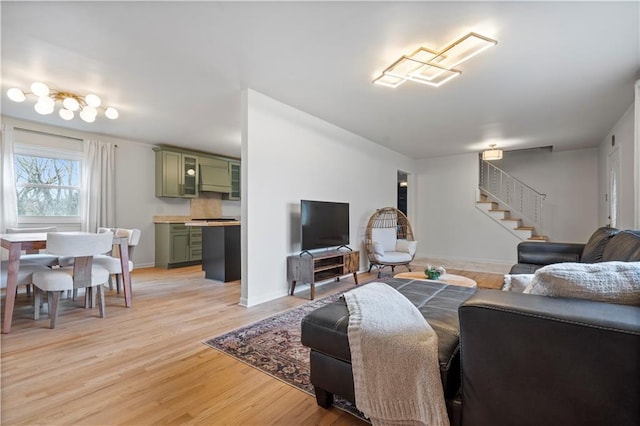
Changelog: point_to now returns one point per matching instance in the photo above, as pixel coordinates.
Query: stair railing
(517, 195)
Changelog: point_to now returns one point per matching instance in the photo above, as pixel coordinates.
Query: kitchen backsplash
(207, 205)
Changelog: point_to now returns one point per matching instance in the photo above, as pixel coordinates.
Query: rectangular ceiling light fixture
(431, 67)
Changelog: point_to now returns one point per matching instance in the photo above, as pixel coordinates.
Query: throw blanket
(394, 357)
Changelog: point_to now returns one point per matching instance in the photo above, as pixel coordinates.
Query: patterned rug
(273, 346)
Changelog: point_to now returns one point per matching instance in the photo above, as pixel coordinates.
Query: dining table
(15, 243)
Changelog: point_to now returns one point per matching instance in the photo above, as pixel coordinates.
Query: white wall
(624, 142)
(136, 203)
(451, 227)
(288, 155)
(570, 180)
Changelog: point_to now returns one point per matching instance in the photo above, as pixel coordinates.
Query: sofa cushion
(596, 245)
(406, 246)
(516, 282)
(394, 257)
(377, 248)
(613, 282)
(624, 247)
(386, 236)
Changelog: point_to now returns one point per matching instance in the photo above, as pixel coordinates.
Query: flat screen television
(324, 224)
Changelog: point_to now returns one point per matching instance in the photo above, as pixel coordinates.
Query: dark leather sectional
(510, 358)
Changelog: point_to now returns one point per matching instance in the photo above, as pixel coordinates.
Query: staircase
(510, 202)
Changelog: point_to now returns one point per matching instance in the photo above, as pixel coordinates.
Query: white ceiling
(561, 74)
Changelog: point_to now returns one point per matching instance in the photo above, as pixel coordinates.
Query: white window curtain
(98, 177)
(9, 214)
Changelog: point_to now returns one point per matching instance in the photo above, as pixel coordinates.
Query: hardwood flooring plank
(148, 364)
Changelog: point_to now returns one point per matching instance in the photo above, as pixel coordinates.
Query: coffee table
(450, 279)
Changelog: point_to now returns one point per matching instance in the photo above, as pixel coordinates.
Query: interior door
(613, 171)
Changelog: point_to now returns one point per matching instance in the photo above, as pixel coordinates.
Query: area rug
(273, 346)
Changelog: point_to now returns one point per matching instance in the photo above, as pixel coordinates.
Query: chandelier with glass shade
(71, 103)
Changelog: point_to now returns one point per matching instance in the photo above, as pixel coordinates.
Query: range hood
(214, 179)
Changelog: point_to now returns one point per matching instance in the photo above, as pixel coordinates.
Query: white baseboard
(476, 265)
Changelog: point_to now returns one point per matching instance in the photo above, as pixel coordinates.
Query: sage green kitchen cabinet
(177, 245)
(176, 174)
(234, 171)
(215, 175)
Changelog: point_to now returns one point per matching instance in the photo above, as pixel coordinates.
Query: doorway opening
(402, 191)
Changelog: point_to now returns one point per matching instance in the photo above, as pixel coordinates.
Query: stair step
(493, 203)
(525, 228)
(538, 238)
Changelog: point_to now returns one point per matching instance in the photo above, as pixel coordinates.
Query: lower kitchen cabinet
(178, 245)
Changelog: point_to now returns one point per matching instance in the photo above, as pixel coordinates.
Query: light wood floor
(147, 365)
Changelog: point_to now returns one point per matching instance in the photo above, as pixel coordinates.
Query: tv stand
(322, 267)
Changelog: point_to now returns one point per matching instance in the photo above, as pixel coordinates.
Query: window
(47, 186)
(48, 178)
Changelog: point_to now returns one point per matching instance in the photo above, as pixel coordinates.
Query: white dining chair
(82, 246)
(112, 262)
(25, 274)
(35, 256)
(30, 258)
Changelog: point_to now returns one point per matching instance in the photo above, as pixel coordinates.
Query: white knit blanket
(394, 357)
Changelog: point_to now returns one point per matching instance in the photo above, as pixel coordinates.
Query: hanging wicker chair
(382, 248)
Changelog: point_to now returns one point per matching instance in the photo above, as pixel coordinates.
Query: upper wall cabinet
(176, 174)
(234, 171)
(214, 175)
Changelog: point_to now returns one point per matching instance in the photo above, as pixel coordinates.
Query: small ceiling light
(111, 113)
(92, 100)
(87, 116)
(492, 153)
(16, 95)
(66, 114)
(432, 67)
(47, 99)
(39, 89)
(71, 104)
(43, 108)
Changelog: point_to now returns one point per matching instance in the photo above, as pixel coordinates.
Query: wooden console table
(321, 267)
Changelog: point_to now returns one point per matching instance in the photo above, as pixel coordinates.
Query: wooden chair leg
(54, 304)
(94, 293)
(118, 283)
(100, 291)
(49, 302)
(37, 296)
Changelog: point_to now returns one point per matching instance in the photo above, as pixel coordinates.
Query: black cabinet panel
(221, 252)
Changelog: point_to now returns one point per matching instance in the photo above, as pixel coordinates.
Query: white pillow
(386, 236)
(406, 246)
(614, 282)
(516, 283)
(377, 248)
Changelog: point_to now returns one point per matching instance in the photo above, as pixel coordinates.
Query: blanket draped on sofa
(394, 356)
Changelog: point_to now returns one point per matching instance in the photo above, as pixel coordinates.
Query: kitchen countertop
(213, 223)
(171, 219)
(189, 221)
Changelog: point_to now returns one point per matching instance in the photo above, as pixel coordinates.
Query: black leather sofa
(605, 245)
(522, 359)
